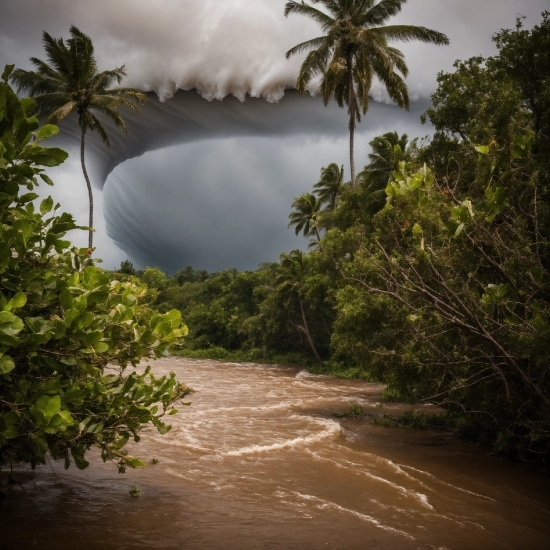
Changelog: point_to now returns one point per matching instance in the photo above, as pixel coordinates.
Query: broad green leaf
(45, 156)
(48, 130)
(6, 364)
(66, 299)
(11, 433)
(46, 205)
(134, 462)
(18, 300)
(11, 419)
(49, 405)
(483, 149)
(101, 347)
(46, 179)
(7, 72)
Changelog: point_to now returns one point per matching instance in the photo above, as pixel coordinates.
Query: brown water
(259, 461)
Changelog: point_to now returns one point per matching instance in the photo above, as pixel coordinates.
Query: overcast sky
(215, 182)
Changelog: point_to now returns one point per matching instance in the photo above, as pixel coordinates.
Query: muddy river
(259, 461)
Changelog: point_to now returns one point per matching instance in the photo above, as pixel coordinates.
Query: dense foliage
(431, 275)
(67, 329)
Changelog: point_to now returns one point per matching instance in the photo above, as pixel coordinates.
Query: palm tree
(355, 49)
(290, 281)
(330, 185)
(388, 150)
(70, 82)
(306, 215)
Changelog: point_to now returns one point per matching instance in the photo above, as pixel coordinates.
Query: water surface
(259, 461)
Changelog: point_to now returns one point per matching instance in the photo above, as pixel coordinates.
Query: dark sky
(215, 182)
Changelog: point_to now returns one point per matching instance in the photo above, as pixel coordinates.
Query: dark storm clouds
(220, 198)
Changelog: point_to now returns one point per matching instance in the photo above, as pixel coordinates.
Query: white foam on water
(357, 469)
(278, 406)
(305, 374)
(323, 504)
(332, 429)
(174, 473)
(448, 484)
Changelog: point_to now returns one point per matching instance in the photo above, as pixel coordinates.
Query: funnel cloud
(207, 174)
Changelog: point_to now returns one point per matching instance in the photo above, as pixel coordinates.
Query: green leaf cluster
(68, 329)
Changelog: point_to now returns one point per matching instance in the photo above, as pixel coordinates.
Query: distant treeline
(431, 275)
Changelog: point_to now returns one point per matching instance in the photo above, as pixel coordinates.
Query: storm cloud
(216, 178)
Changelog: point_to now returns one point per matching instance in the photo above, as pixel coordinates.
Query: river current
(259, 461)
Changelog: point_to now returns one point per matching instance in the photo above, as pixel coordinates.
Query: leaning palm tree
(355, 49)
(306, 216)
(70, 82)
(330, 185)
(290, 284)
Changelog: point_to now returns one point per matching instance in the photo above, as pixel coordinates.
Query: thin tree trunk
(318, 239)
(90, 195)
(306, 332)
(351, 123)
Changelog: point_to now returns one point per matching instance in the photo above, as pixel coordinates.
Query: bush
(67, 330)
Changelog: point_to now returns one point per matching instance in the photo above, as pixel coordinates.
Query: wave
(332, 429)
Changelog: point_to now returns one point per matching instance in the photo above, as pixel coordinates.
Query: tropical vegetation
(70, 335)
(71, 82)
(355, 50)
(431, 275)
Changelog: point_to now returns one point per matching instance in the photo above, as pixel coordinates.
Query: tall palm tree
(70, 82)
(290, 282)
(306, 215)
(355, 49)
(330, 185)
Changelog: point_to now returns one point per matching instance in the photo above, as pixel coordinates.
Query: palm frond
(406, 33)
(96, 125)
(57, 115)
(112, 113)
(382, 11)
(330, 184)
(307, 45)
(57, 53)
(302, 8)
(105, 79)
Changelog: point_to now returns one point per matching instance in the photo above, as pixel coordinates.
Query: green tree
(388, 150)
(355, 50)
(330, 185)
(127, 267)
(71, 82)
(524, 56)
(68, 331)
(290, 283)
(306, 215)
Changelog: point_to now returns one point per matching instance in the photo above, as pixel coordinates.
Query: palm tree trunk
(90, 195)
(306, 332)
(351, 122)
(318, 239)
(351, 161)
